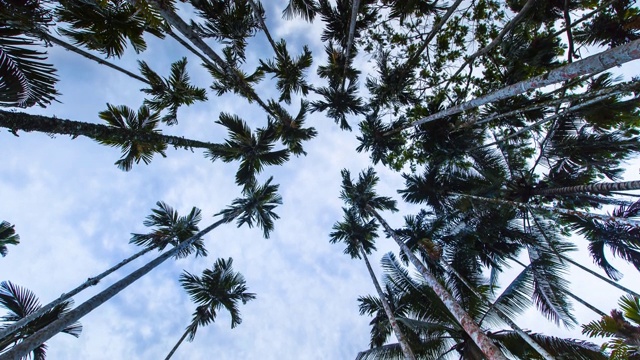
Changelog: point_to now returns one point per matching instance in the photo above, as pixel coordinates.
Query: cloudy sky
(75, 210)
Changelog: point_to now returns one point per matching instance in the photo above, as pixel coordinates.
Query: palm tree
(20, 303)
(256, 207)
(439, 335)
(590, 65)
(218, 288)
(623, 326)
(171, 93)
(359, 238)
(253, 150)
(170, 229)
(8, 236)
(142, 134)
(363, 198)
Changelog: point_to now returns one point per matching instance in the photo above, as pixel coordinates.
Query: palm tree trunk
(582, 214)
(16, 121)
(564, 112)
(610, 282)
(254, 8)
(539, 349)
(11, 328)
(355, 5)
(618, 88)
(591, 307)
(22, 349)
(485, 344)
(184, 335)
(92, 57)
(406, 350)
(592, 64)
(601, 188)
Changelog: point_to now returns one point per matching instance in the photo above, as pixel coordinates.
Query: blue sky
(75, 210)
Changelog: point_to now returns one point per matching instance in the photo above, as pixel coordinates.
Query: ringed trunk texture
(406, 350)
(22, 349)
(184, 335)
(19, 121)
(582, 214)
(472, 329)
(10, 329)
(602, 188)
(592, 64)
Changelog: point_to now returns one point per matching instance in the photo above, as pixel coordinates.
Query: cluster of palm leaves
(504, 167)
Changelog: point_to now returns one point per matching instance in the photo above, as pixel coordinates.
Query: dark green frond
(8, 236)
(25, 79)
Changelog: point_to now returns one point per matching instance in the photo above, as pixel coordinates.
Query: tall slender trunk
(590, 188)
(16, 121)
(355, 5)
(254, 8)
(610, 282)
(10, 329)
(539, 349)
(485, 344)
(22, 349)
(406, 350)
(562, 113)
(582, 214)
(90, 56)
(592, 64)
(184, 335)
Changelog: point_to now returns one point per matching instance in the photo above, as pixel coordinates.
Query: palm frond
(8, 236)
(25, 79)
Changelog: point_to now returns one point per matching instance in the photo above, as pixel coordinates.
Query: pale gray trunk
(618, 88)
(592, 64)
(539, 349)
(602, 188)
(19, 121)
(92, 57)
(610, 282)
(22, 349)
(406, 350)
(483, 342)
(582, 214)
(564, 112)
(11, 328)
(184, 335)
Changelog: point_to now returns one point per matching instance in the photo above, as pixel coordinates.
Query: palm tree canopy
(361, 195)
(20, 302)
(27, 79)
(170, 228)
(217, 288)
(143, 121)
(355, 233)
(256, 207)
(171, 93)
(253, 150)
(8, 236)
